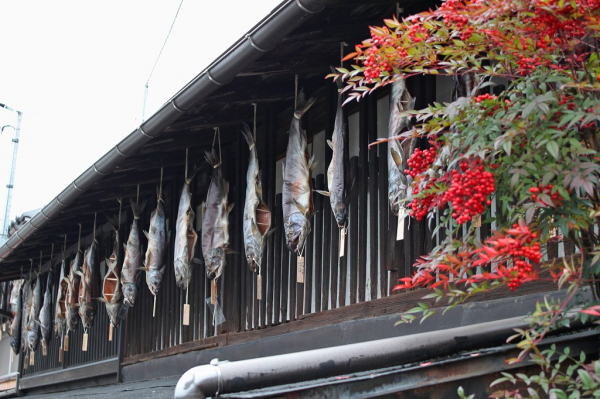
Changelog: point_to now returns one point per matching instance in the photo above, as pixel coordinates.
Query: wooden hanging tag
(32, 358)
(213, 292)
(400, 231)
(44, 349)
(66, 343)
(26, 362)
(4, 327)
(259, 287)
(154, 308)
(60, 355)
(110, 332)
(300, 270)
(0, 336)
(477, 221)
(11, 356)
(186, 314)
(342, 242)
(84, 344)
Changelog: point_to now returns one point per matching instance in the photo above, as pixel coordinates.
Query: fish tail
(114, 222)
(212, 158)
(137, 209)
(303, 105)
(249, 136)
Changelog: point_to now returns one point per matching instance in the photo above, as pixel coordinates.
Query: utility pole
(11, 180)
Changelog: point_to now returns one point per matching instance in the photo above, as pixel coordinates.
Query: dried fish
(60, 314)
(156, 254)
(111, 287)
(73, 293)
(215, 220)
(90, 284)
(133, 258)
(257, 216)
(399, 151)
(33, 326)
(185, 237)
(15, 327)
(337, 178)
(26, 310)
(45, 316)
(297, 186)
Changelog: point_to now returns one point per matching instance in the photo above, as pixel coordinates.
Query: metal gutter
(229, 377)
(262, 38)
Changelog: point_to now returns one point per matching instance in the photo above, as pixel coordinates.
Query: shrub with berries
(528, 152)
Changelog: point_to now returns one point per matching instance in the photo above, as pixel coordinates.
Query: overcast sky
(77, 70)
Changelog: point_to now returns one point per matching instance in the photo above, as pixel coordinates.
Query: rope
(137, 198)
(64, 247)
(95, 214)
(295, 92)
(342, 45)
(255, 105)
(160, 184)
(186, 163)
(164, 44)
(40, 265)
(79, 239)
(120, 207)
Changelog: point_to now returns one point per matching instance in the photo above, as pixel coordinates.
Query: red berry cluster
(420, 161)
(568, 100)
(469, 190)
(556, 198)
(483, 97)
(521, 248)
(420, 207)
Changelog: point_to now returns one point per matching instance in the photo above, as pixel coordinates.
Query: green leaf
(552, 148)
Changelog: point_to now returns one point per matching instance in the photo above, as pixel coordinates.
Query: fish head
(297, 229)
(87, 314)
(341, 214)
(215, 261)
(154, 280)
(254, 256)
(129, 292)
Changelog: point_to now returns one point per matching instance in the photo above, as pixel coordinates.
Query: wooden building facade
(336, 289)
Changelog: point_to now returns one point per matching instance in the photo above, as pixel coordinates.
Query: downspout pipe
(229, 377)
(262, 38)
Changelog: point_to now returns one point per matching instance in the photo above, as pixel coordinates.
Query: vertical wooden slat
(277, 240)
(293, 284)
(354, 237)
(362, 205)
(285, 272)
(372, 219)
(318, 242)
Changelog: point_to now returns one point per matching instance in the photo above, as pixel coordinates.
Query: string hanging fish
(156, 254)
(337, 178)
(399, 151)
(111, 286)
(185, 236)
(257, 216)
(15, 327)
(297, 198)
(45, 317)
(215, 220)
(133, 257)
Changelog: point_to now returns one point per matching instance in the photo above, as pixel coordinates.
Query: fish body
(156, 254)
(26, 310)
(297, 198)
(45, 316)
(398, 151)
(15, 327)
(60, 314)
(133, 258)
(337, 180)
(33, 326)
(90, 285)
(5, 298)
(215, 220)
(185, 237)
(73, 291)
(257, 216)
(111, 287)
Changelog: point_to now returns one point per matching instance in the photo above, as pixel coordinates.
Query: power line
(157, 58)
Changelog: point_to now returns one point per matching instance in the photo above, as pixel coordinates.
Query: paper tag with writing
(259, 287)
(32, 358)
(66, 344)
(60, 355)
(300, 270)
(84, 344)
(213, 292)
(400, 231)
(110, 331)
(342, 243)
(477, 221)
(186, 314)
(4, 327)
(0, 337)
